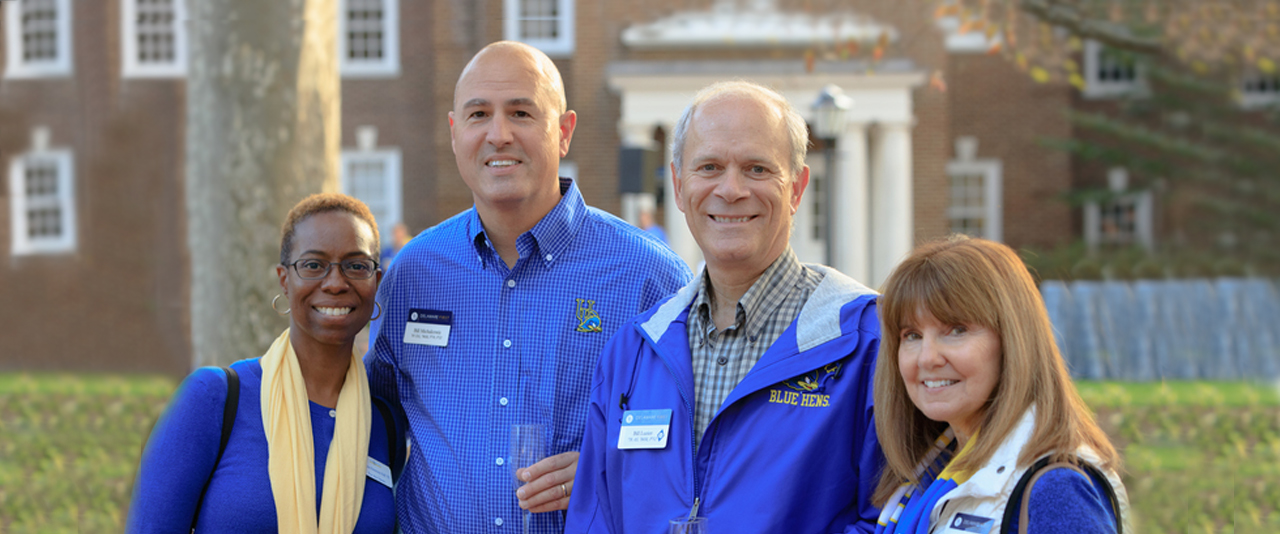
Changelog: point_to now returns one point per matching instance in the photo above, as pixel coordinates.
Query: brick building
(91, 140)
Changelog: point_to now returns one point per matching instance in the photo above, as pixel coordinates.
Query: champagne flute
(688, 525)
(527, 448)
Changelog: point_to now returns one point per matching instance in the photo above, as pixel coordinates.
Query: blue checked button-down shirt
(521, 348)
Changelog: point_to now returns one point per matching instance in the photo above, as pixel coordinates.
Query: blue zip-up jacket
(792, 450)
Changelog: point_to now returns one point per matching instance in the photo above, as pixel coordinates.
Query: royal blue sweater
(181, 451)
(1064, 501)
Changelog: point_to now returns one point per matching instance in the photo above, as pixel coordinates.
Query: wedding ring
(563, 492)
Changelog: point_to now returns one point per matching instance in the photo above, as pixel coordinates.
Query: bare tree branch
(1068, 16)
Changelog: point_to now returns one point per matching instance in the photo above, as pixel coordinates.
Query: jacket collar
(818, 322)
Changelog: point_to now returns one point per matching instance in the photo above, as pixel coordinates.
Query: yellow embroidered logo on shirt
(814, 380)
(588, 319)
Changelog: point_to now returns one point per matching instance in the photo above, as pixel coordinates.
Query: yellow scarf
(286, 418)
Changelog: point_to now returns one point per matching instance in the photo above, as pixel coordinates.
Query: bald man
(496, 316)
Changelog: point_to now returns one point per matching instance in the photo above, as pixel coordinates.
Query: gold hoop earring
(377, 307)
(273, 306)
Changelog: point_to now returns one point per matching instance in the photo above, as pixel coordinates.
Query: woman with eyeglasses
(291, 441)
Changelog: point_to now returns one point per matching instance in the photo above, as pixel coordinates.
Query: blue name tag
(428, 327)
(645, 429)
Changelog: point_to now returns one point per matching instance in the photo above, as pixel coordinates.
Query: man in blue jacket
(745, 398)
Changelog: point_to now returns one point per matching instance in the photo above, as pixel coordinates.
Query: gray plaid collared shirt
(721, 359)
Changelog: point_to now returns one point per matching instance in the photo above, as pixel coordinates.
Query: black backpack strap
(1109, 491)
(228, 421)
(393, 448)
(1015, 503)
(393, 445)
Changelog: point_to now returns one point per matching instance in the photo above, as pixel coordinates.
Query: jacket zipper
(697, 489)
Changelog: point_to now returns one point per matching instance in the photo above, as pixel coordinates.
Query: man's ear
(453, 136)
(677, 188)
(568, 121)
(798, 186)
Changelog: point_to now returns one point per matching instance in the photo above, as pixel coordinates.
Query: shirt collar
(549, 237)
(781, 277)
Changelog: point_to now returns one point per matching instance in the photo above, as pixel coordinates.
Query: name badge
(645, 429)
(379, 472)
(970, 523)
(428, 327)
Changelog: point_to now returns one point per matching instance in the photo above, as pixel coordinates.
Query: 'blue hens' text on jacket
(793, 449)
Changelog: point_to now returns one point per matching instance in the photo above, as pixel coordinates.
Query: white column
(892, 213)
(678, 234)
(850, 232)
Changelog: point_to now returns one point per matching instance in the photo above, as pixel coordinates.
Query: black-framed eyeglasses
(353, 269)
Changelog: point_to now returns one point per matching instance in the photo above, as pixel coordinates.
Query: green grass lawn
(1199, 456)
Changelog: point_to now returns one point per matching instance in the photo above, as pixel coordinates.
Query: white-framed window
(373, 176)
(1124, 220)
(543, 24)
(43, 209)
(154, 38)
(1259, 90)
(369, 38)
(976, 193)
(37, 38)
(1109, 72)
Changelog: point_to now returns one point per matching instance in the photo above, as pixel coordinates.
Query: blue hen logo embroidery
(588, 319)
(814, 380)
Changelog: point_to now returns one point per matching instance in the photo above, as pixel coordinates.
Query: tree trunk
(263, 111)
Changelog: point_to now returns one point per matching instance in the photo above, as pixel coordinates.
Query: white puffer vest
(986, 494)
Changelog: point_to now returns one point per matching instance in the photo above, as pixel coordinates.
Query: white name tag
(379, 472)
(969, 524)
(428, 327)
(645, 429)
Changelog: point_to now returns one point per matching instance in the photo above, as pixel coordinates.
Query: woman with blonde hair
(981, 426)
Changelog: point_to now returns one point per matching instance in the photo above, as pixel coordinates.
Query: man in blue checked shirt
(496, 316)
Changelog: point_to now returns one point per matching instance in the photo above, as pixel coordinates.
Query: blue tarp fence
(1144, 330)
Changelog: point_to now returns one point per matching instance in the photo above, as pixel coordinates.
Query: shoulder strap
(228, 421)
(393, 445)
(1019, 500)
(1024, 504)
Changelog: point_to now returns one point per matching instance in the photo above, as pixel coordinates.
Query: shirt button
(503, 401)
(497, 521)
(333, 413)
(722, 360)
(511, 283)
(548, 257)
(506, 343)
(499, 461)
